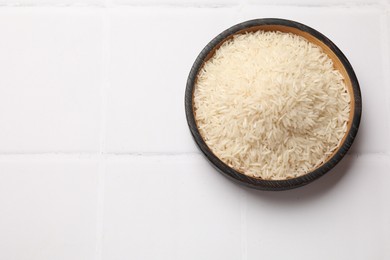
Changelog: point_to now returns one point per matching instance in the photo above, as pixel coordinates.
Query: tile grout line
(57, 5)
(325, 6)
(385, 40)
(244, 226)
(103, 130)
(385, 31)
(100, 210)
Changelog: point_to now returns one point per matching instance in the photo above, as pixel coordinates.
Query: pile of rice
(271, 105)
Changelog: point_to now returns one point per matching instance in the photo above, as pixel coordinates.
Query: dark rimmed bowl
(340, 62)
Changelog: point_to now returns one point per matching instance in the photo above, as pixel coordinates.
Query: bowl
(340, 63)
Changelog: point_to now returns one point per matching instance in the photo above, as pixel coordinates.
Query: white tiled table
(97, 162)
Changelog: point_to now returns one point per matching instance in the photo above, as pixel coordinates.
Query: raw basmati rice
(271, 105)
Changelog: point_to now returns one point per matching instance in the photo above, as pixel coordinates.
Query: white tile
(170, 207)
(344, 26)
(47, 210)
(197, 3)
(317, 2)
(386, 52)
(152, 51)
(51, 2)
(51, 62)
(343, 215)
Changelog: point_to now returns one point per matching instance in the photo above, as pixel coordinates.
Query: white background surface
(97, 162)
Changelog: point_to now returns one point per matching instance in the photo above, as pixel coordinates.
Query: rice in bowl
(271, 105)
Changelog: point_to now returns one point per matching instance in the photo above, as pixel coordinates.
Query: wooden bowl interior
(336, 62)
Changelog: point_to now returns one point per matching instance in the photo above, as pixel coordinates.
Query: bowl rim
(253, 182)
